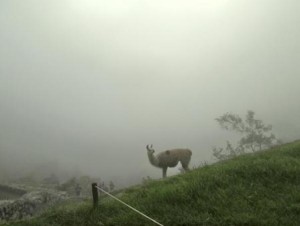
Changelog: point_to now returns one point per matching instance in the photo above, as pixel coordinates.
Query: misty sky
(85, 85)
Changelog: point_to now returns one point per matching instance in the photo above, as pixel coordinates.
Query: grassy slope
(254, 189)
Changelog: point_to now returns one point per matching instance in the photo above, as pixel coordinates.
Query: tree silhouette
(255, 135)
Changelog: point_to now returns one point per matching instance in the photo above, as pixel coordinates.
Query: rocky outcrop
(29, 204)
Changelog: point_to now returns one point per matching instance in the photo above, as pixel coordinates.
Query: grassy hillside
(254, 189)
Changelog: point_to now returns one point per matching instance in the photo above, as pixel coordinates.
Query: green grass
(253, 189)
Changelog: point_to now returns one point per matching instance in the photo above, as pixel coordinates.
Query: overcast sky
(86, 84)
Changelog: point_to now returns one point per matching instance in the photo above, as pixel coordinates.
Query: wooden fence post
(95, 195)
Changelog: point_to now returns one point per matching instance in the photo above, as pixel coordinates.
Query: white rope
(129, 206)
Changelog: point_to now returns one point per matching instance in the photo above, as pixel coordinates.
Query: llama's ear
(149, 148)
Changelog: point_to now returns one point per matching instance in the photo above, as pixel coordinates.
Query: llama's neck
(153, 160)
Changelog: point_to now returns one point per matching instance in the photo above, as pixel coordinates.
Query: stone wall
(29, 204)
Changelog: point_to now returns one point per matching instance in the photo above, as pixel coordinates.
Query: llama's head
(150, 149)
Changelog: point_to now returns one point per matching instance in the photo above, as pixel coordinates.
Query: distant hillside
(253, 189)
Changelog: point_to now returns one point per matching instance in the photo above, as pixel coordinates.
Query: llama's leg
(165, 172)
(185, 165)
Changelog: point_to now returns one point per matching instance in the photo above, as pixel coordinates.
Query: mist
(86, 85)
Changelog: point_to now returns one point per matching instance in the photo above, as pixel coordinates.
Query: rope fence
(95, 189)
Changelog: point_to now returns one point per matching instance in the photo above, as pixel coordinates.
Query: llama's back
(181, 153)
(171, 158)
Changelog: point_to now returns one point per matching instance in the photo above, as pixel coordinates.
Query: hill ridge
(253, 189)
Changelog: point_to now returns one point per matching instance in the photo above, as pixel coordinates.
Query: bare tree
(255, 135)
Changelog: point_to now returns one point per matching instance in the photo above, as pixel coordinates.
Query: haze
(86, 85)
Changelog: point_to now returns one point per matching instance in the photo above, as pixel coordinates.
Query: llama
(169, 158)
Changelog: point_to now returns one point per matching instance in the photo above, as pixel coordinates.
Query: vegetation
(261, 188)
(255, 135)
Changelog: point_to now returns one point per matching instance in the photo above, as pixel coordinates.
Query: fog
(86, 85)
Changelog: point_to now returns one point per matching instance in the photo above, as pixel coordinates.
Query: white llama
(169, 158)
